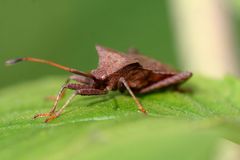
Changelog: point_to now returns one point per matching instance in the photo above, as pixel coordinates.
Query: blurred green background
(67, 31)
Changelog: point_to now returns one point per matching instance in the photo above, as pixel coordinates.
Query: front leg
(78, 78)
(79, 90)
(59, 96)
(82, 91)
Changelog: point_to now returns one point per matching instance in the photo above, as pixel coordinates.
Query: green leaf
(188, 125)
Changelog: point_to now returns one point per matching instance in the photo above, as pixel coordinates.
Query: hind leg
(172, 80)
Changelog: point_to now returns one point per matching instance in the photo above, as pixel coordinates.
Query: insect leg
(59, 96)
(63, 88)
(140, 107)
(78, 78)
(55, 115)
(172, 80)
(61, 93)
(83, 91)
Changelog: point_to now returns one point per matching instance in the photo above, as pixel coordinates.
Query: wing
(111, 61)
(151, 64)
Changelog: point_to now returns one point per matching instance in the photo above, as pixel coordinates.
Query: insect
(116, 71)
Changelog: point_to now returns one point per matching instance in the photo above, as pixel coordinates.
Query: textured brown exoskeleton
(116, 71)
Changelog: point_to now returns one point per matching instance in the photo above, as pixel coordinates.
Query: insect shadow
(96, 100)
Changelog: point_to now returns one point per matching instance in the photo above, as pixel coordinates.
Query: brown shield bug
(116, 71)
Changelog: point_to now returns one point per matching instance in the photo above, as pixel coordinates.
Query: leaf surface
(187, 125)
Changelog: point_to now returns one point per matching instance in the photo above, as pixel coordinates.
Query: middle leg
(140, 107)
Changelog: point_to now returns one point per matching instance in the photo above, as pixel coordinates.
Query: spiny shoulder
(110, 61)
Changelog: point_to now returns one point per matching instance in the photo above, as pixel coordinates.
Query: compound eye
(103, 77)
(99, 74)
